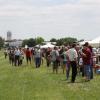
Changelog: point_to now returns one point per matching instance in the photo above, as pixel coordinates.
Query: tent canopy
(97, 40)
(94, 42)
(83, 42)
(48, 45)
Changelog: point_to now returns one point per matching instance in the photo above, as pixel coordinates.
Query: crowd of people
(79, 59)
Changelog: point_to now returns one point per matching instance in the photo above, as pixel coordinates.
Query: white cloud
(79, 17)
(91, 2)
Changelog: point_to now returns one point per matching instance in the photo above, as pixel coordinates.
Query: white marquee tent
(48, 45)
(83, 42)
(95, 42)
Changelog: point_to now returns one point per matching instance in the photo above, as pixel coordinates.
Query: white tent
(37, 46)
(83, 42)
(48, 45)
(95, 42)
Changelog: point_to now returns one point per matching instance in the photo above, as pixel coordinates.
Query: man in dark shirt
(48, 57)
(86, 55)
(28, 55)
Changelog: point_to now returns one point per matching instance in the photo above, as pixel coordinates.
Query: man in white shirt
(38, 56)
(72, 53)
(17, 55)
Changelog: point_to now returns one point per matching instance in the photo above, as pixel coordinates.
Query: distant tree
(6, 45)
(81, 40)
(39, 40)
(25, 42)
(60, 42)
(53, 40)
(1, 42)
(66, 41)
(30, 42)
(69, 40)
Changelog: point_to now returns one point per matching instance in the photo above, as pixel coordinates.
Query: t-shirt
(72, 53)
(28, 53)
(87, 58)
(54, 55)
(17, 53)
(38, 54)
(65, 56)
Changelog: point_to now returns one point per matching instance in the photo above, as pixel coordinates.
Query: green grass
(29, 83)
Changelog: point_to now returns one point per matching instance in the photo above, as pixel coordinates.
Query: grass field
(29, 83)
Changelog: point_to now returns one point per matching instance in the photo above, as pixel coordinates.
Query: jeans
(38, 62)
(91, 72)
(87, 71)
(16, 60)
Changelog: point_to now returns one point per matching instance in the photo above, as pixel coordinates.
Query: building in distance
(12, 42)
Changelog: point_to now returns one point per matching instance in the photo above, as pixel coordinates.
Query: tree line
(1, 42)
(39, 40)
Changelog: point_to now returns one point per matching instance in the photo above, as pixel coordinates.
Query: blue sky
(50, 18)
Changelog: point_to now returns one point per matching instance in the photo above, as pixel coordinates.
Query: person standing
(9, 54)
(86, 55)
(54, 55)
(65, 60)
(48, 60)
(61, 56)
(72, 53)
(28, 56)
(21, 56)
(17, 55)
(12, 57)
(5, 53)
(32, 53)
(38, 56)
(91, 61)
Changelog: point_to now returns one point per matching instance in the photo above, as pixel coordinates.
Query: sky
(50, 18)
